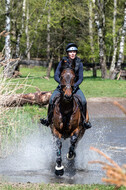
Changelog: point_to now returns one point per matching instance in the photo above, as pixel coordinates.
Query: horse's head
(67, 83)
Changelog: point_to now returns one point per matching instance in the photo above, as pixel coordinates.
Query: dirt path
(106, 107)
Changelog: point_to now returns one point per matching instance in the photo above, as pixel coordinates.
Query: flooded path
(34, 162)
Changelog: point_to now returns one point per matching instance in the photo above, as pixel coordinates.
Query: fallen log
(37, 98)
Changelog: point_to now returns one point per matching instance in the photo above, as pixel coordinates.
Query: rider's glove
(59, 86)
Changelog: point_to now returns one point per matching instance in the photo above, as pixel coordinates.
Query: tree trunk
(91, 38)
(112, 67)
(8, 26)
(38, 98)
(23, 14)
(50, 66)
(114, 23)
(19, 32)
(100, 22)
(18, 45)
(35, 30)
(115, 41)
(121, 50)
(6, 71)
(27, 33)
(48, 44)
(10, 67)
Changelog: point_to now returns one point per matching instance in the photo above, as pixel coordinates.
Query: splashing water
(36, 154)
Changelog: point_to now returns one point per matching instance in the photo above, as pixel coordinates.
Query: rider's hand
(59, 87)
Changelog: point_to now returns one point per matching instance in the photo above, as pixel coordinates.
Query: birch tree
(100, 23)
(27, 32)
(37, 23)
(114, 23)
(7, 28)
(49, 61)
(19, 33)
(7, 68)
(112, 66)
(121, 49)
(115, 41)
(91, 37)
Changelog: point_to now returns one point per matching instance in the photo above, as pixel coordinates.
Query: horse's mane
(65, 65)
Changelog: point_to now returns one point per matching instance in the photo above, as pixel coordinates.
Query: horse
(67, 119)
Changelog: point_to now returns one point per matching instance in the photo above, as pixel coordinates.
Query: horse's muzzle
(67, 97)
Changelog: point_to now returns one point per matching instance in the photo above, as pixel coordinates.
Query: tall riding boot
(48, 121)
(86, 122)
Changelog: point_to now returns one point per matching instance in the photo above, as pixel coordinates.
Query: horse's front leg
(59, 168)
(71, 154)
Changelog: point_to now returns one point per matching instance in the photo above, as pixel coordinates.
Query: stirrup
(87, 125)
(45, 122)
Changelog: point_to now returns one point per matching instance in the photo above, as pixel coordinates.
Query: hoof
(59, 171)
(71, 156)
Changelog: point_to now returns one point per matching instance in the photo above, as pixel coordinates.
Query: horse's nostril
(67, 96)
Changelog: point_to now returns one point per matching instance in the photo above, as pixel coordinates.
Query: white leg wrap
(69, 157)
(59, 168)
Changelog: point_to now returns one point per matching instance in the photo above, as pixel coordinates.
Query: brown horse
(66, 121)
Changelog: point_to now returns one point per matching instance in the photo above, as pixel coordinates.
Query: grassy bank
(92, 87)
(57, 187)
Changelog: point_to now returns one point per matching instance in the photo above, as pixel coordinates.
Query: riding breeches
(54, 94)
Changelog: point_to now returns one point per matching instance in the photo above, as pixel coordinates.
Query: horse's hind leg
(71, 154)
(59, 169)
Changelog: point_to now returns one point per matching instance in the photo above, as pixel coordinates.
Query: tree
(43, 28)
(7, 67)
(121, 50)
(114, 23)
(91, 37)
(49, 61)
(100, 23)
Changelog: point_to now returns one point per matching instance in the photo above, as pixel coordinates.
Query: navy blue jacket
(78, 72)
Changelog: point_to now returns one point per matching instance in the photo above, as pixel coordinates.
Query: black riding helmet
(71, 47)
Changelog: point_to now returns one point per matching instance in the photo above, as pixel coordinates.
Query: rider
(71, 58)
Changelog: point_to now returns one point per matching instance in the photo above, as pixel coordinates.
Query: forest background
(41, 29)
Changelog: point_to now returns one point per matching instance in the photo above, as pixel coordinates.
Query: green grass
(33, 79)
(14, 126)
(57, 187)
(92, 87)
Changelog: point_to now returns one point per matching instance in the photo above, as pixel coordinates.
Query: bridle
(68, 84)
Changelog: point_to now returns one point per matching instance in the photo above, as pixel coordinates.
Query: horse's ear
(64, 61)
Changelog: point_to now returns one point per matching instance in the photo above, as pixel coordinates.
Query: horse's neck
(66, 107)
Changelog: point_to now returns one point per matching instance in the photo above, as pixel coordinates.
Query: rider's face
(72, 54)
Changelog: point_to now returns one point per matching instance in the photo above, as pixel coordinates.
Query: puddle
(35, 159)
